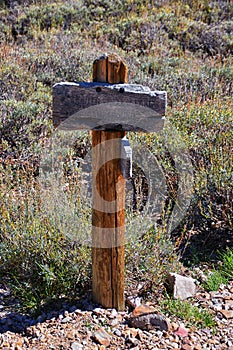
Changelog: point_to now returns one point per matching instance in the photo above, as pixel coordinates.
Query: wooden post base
(108, 224)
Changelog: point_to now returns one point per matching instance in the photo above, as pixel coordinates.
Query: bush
(223, 274)
(38, 260)
(209, 134)
(191, 314)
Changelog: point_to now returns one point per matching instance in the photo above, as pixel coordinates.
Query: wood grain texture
(108, 225)
(110, 68)
(103, 106)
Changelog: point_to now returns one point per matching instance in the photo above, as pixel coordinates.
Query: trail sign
(101, 106)
(109, 107)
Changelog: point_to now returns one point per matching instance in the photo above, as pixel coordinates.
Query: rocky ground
(85, 326)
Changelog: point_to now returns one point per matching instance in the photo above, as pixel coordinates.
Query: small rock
(203, 296)
(182, 332)
(159, 334)
(76, 346)
(66, 319)
(181, 286)
(102, 337)
(17, 347)
(174, 326)
(198, 347)
(143, 309)
(26, 341)
(113, 314)
(132, 332)
(117, 332)
(70, 335)
(115, 321)
(174, 345)
(98, 311)
(141, 335)
(133, 301)
(95, 319)
(146, 317)
(227, 313)
(78, 312)
(229, 305)
(132, 341)
(19, 343)
(217, 307)
(186, 347)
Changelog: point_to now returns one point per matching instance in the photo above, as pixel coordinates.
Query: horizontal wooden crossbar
(103, 106)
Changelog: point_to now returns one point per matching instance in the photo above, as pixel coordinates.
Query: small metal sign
(126, 159)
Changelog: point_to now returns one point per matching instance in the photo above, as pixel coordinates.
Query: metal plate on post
(126, 159)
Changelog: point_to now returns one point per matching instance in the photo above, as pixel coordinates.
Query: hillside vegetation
(183, 47)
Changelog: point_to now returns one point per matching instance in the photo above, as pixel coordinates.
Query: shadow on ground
(205, 246)
(17, 322)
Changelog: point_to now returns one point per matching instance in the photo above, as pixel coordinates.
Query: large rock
(182, 287)
(146, 317)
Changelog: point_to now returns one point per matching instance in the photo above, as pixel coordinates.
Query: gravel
(87, 327)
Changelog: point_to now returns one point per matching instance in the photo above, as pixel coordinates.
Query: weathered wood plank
(103, 106)
(108, 187)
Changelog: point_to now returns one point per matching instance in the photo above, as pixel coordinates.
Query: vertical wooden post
(109, 184)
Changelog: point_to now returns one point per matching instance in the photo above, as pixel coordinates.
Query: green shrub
(149, 257)
(208, 133)
(214, 281)
(38, 260)
(22, 126)
(223, 274)
(226, 266)
(192, 315)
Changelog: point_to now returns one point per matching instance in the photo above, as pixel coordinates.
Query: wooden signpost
(109, 107)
